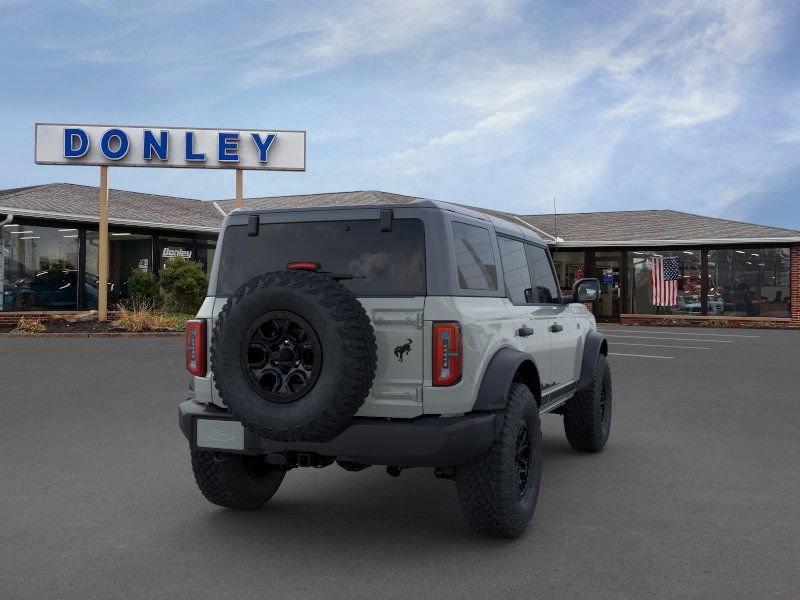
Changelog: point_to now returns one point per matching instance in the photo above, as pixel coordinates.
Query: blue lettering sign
(263, 145)
(122, 144)
(71, 136)
(228, 142)
(190, 153)
(159, 146)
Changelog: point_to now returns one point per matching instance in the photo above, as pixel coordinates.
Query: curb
(115, 334)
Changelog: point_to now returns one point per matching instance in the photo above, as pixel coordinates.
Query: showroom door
(607, 268)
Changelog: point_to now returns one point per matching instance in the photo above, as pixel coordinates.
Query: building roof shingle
(79, 202)
(356, 198)
(650, 225)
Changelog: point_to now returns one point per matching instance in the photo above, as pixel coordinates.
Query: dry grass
(26, 325)
(143, 317)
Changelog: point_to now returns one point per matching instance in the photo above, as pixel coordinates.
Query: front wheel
(498, 490)
(235, 481)
(587, 416)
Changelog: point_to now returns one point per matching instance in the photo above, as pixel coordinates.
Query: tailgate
(397, 388)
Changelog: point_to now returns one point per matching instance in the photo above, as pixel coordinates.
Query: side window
(544, 281)
(474, 257)
(515, 270)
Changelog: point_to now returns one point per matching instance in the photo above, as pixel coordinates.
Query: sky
(504, 104)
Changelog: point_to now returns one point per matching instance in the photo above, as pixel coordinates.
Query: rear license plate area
(219, 434)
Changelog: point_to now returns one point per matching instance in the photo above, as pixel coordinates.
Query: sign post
(102, 256)
(175, 147)
(239, 188)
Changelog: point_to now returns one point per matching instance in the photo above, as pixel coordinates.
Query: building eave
(686, 242)
(112, 220)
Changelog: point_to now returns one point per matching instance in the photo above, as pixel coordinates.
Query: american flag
(664, 277)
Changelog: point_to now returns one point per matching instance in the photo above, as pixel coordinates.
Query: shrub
(183, 285)
(143, 288)
(143, 317)
(26, 325)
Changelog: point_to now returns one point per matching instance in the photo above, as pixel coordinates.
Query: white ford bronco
(408, 334)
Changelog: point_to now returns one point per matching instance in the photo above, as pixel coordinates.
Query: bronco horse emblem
(399, 351)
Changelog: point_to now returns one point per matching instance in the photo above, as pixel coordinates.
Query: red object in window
(303, 265)
(196, 347)
(447, 353)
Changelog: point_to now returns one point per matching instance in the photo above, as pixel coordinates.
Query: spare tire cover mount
(267, 350)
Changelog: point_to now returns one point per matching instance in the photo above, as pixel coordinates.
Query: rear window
(392, 262)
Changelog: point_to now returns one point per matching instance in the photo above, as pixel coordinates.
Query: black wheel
(587, 416)
(236, 481)
(293, 355)
(498, 490)
(283, 356)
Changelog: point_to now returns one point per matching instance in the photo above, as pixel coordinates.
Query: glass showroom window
(570, 266)
(127, 252)
(205, 254)
(175, 247)
(666, 282)
(39, 268)
(746, 282)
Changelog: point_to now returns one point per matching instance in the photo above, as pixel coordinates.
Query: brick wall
(794, 283)
(12, 318)
(710, 321)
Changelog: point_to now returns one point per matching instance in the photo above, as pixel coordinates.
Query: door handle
(524, 331)
(556, 327)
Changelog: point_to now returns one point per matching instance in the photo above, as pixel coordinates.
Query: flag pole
(102, 259)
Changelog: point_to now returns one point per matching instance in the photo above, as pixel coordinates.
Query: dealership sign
(176, 253)
(110, 145)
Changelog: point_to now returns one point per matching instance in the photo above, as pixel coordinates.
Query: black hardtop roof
(502, 222)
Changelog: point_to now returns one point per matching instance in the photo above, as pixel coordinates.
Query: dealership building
(721, 271)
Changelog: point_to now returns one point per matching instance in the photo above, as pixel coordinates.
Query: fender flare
(594, 345)
(498, 377)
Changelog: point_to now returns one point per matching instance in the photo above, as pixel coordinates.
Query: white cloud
(474, 144)
(680, 67)
(374, 28)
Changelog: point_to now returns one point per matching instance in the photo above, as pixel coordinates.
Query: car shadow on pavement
(337, 507)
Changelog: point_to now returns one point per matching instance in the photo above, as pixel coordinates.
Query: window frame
(527, 263)
(499, 290)
(560, 298)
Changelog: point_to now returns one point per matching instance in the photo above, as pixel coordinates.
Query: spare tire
(293, 355)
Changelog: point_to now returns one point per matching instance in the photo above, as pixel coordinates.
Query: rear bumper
(422, 442)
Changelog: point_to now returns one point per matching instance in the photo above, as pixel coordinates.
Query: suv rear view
(383, 335)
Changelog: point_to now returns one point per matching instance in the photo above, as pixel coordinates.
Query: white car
(414, 334)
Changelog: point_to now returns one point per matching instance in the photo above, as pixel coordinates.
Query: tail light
(447, 354)
(196, 347)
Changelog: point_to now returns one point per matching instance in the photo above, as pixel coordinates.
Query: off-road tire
(587, 415)
(488, 485)
(348, 348)
(235, 481)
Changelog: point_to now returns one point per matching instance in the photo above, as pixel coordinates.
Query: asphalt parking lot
(696, 495)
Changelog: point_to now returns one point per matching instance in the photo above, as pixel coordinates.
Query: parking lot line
(652, 337)
(660, 346)
(736, 335)
(639, 355)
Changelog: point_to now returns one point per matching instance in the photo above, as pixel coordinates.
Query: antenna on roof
(555, 221)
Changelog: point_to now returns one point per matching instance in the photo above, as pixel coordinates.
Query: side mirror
(586, 290)
(529, 295)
